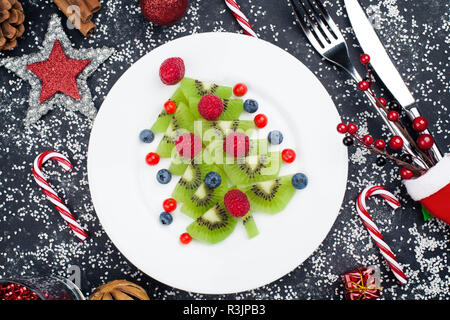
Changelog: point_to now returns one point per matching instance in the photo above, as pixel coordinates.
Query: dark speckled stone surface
(34, 241)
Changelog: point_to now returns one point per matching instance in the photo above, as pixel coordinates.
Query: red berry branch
(422, 144)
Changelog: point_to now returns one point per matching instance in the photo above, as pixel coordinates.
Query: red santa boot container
(433, 189)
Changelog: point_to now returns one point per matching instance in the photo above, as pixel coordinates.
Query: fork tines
(315, 20)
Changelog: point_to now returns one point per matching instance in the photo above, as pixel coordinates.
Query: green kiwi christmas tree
(225, 176)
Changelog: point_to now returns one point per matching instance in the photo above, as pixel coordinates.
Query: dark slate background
(34, 240)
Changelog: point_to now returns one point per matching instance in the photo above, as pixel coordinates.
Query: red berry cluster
(14, 291)
(424, 142)
(407, 170)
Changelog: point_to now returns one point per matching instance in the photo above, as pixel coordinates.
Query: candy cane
(240, 17)
(51, 194)
(375, 232)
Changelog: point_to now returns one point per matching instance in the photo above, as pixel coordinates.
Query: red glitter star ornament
(58, 73)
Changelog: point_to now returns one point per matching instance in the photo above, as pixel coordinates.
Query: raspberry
(236, 203)
(188, 145)
(210, 107)
(172, 71)
(236, 144)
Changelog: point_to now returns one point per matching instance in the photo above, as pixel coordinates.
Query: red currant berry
(393, 116)
(169, 205)
(383, 101)
(380, 144)
(152, 158)
(396, 143)
(365, 58)
(342, 128)
(240, 89)
(260, 120)
(406, 173)
(420, 124)
(367, 140)
(352, 128)
(363, 85)
(185, 238)
(425, 141)
(170, 106)
(288, 155)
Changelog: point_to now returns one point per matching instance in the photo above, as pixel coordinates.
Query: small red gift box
(362, 283)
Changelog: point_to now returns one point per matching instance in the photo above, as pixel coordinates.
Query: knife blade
(382, 63)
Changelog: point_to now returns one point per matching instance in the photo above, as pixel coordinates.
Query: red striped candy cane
(240, 17)
(375, 232)
(51, 194)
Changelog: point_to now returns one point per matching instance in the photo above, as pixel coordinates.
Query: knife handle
(434, 152)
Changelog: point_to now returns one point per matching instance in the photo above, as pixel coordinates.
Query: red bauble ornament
(58, 73)
(288, 155)
(342, 128)
(380, 144)
(152, 158)
(420, 124)
(365, 58)
(185, 238)
(260, 120)
(240, 89)
(164, 12)
(396, 143)
(352, 128)
(169, 205)
(170, 106)
(406, 173)
(425, 141)
(363, 85)
(393, 115)
(367, 140)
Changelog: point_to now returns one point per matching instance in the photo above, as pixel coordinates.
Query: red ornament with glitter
(164, 12)
(58, 73)
(362, 283)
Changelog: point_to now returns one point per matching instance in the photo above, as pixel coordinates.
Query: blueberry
(164, 176)
(165, 218)
(213, 180)
(275, 137)
(299, 181)
(251, 105)
(146, 136)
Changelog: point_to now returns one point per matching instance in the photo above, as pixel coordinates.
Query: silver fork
(325, 37)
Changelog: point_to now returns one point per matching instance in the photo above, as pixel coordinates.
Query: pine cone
(119, 290)
(11, 23)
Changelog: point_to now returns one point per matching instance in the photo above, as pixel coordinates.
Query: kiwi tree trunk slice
(250, 226)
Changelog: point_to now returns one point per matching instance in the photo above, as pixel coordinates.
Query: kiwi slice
(220, 129)
(253, 168)
(214, 152)
(181, 122)
(197, 89)
(178, 165)
(232, 108)
(213, 226)
(270, 196)
(204, 198)
(250, 226)
(189, 182)
(162, 123)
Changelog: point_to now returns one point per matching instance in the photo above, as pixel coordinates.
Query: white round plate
(128, 199)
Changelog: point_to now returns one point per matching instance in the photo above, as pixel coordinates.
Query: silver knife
(382, 64)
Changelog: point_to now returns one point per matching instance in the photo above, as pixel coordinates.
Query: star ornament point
(58, 74)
